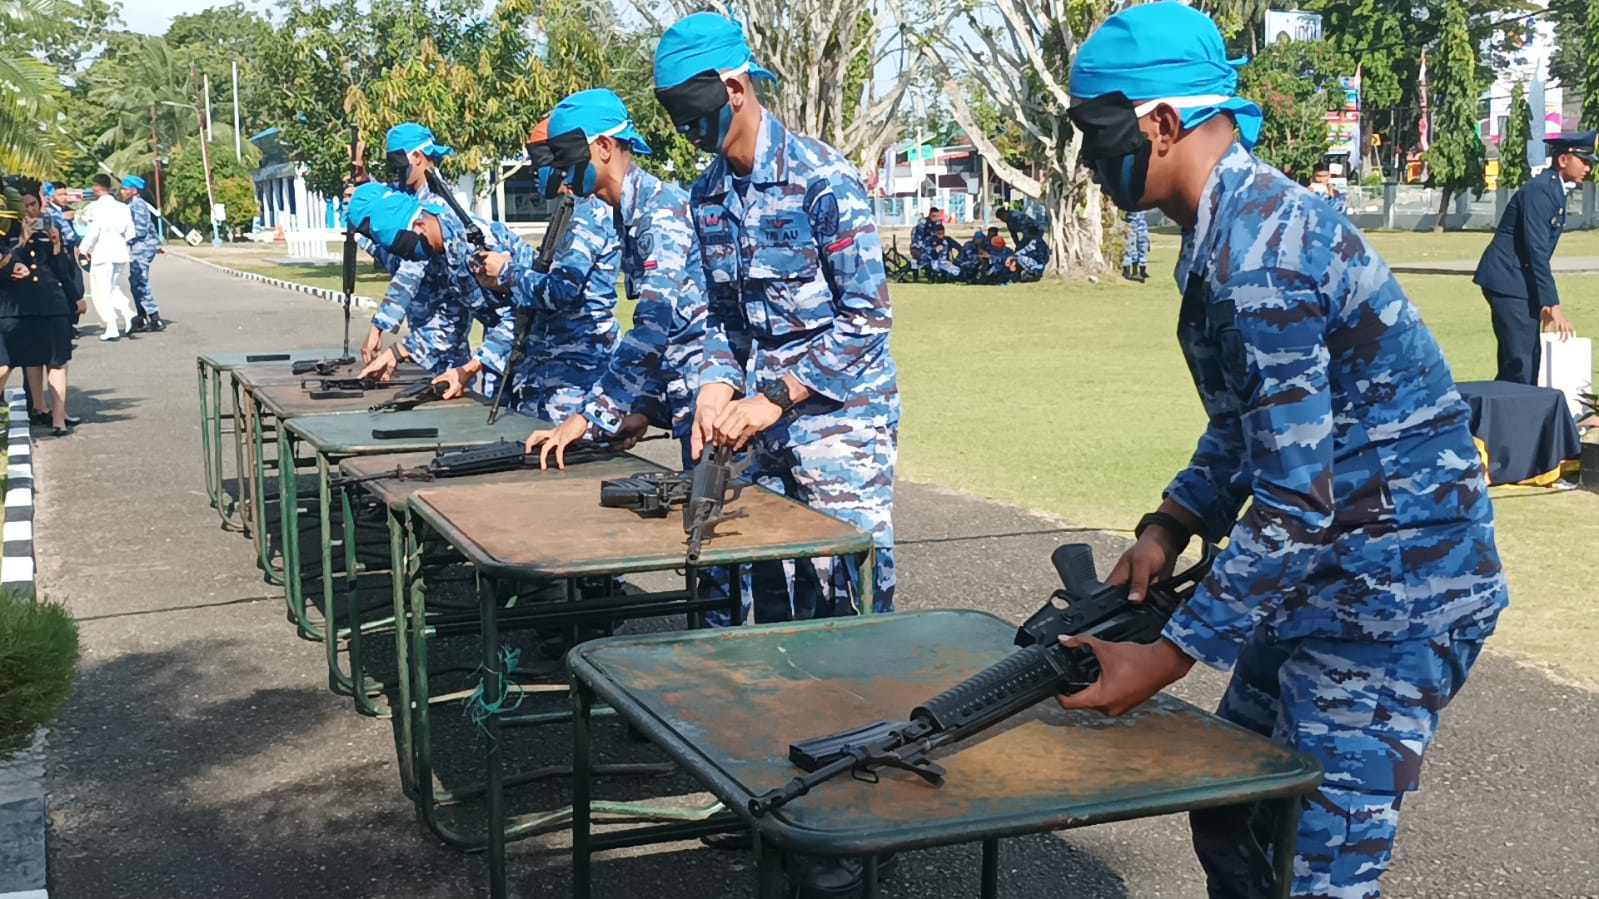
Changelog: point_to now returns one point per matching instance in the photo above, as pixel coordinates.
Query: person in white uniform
(106, 247)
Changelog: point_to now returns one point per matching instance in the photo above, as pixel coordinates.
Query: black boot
(1143, 273)
(1127, 273)
(139, 323)
(154, 322)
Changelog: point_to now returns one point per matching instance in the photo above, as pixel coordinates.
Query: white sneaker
(109, 336)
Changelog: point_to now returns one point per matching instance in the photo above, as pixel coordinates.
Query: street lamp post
(205, 159)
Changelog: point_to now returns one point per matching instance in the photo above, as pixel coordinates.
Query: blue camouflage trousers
(847, 473)
(139, 285)
(1366, 710)
(1137, 252)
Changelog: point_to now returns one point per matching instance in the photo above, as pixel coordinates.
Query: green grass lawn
(1073, 400)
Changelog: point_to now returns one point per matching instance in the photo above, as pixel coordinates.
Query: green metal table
(556, 529)
(263, 397)
(210, 369)
(726, 704)
(333, 438)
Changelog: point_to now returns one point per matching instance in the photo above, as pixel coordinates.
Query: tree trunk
(1443, 211)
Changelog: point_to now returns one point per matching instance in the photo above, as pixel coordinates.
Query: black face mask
(1114, 148)
(407, 244)
(698, 108)
(568, 162)
(399, 167)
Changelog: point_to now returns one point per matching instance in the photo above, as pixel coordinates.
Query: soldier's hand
(565, 434)
(382, 366)
(20, 272)
(1129, 674)
(627, 436)
(1150, 559)
(83, 307)
(1554, 319)
(456, 380)
(742, 419)
(708, 406)
(373, 345)
(491, 264)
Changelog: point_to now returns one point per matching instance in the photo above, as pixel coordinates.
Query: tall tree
(1590, 56)
(827, 55)
(1022, 64)
(322, 50)
(31, 88)
(1296, 84)
(1514, 170)
(1456, 156)
(214, 40)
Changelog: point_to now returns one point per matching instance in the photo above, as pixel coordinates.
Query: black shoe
(1127, 272)
(836, 878)
(73, 422)
(1143, 273)
(155, 323)
(60, 432)
(39, 418)
(139, 323)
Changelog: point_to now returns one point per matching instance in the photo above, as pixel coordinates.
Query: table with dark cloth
(1528, 431)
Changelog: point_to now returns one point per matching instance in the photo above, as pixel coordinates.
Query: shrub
(38, 661)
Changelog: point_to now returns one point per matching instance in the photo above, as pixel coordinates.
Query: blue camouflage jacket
(397, 299)
(794, 266)
(574, 329)
(58, 220)
(1333, 413)
(446, 298)
(1033, 256)
(1023, 226)
(146, 243)
(922, 237)
(669, 340)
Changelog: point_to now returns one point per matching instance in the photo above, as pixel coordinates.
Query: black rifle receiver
(341, 388)
(474, 234)
(555, 237)
(411, 397)
(703, 493)
(1041, 668)
(502, 455)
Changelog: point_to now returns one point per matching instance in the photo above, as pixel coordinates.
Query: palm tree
(32, 90)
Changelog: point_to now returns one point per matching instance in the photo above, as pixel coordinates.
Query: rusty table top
(293, 401)
(279, 374)
(462, 422)
(395, 493)
(226, 361)
(726, 703)
(559, 529)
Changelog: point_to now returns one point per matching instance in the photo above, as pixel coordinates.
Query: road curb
(23, 814)
(332, 296)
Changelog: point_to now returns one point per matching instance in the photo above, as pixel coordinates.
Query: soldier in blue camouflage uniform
(794, 266)
(574, 329)
(970, 259)
(1031, 260)
(411, 152)
(145, 246)
(940, 256)
(922, 237)
(446, 296)
(56, 210)
(1022, 226)
(593, 142)
(1135, 259)
(1001, 257)
(1355, 594)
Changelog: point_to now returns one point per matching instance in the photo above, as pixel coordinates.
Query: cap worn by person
(47, 190)
(1584, 145)
(133, 182)
(596, 113)
(1165, 54)
(382, 213)
(704, 42)
(998, 242)
(409, 137)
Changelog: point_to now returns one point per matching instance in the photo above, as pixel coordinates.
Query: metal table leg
(1284, 844)
(582, 856)
(493, 698)
(991, 869)
(209, 427)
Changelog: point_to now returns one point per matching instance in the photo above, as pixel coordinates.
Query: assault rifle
(703, 494)
(1040, 669)
(554, 238)
(340, 388)
(418, 393)
(326, 367)
(502, 455)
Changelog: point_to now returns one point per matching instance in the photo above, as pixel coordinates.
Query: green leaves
(1513, 168)
(1456, 157)
(1295, 84)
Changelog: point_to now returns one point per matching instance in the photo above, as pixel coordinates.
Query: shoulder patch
(644, 244)
(823, 209)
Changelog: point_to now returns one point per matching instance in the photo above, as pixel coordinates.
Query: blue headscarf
(385, 213)
(597, 113)
(133, 182)
(703, 42)
(1166, 51)
(409, 136)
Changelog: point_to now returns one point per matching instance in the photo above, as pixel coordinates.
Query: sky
(153, 16)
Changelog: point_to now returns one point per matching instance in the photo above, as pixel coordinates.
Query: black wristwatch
(777, 392)
(1169, 522)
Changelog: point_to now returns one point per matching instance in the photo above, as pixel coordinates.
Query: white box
(1567, 366)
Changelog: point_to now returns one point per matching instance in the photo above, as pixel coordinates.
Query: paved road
(203, 756)
(1561, 265)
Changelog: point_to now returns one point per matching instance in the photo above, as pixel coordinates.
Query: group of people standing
(43, 287)
(985, 259)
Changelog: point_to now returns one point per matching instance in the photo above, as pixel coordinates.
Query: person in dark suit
(1514, 272)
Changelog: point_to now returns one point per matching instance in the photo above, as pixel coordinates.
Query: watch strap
(1169, 522)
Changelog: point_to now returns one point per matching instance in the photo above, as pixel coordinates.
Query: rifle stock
(349, 245)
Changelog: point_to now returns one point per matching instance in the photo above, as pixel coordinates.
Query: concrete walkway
(1560, 265)
(203, 756)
